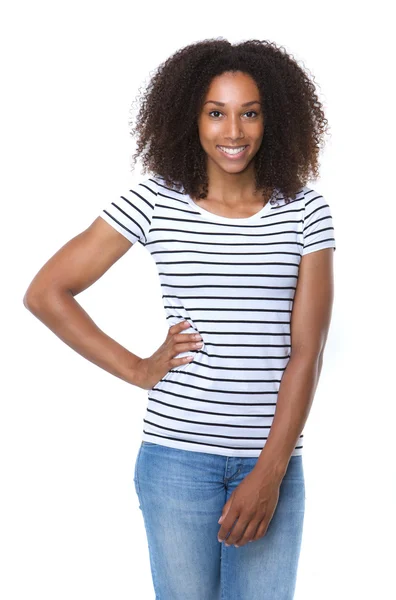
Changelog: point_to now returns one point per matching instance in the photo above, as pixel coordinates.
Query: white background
(69, 431)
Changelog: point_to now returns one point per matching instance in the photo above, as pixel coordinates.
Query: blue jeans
(181, 495)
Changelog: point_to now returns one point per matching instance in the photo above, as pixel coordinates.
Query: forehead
(232, 85)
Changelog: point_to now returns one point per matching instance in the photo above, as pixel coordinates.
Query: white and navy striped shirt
(234, 281)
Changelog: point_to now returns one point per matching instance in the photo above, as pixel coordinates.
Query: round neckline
(231, 220)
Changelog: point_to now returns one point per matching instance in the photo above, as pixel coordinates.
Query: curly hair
(167, 121)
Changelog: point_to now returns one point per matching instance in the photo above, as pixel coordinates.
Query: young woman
(244, 250)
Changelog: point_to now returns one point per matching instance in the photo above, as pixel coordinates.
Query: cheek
(208, 139)
(204, 142)
(209, 129)
(257, 131)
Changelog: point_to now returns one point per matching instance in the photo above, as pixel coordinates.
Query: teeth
(232, 150)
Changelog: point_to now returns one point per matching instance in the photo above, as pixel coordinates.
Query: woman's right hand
(152, 369)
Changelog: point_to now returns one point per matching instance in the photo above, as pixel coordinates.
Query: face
(231, 116)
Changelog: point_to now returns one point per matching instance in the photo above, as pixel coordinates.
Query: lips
(232, 155)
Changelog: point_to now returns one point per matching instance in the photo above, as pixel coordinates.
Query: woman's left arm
(252, 504)
(310, 322)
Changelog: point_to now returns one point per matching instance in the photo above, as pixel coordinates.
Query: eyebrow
(223, 103)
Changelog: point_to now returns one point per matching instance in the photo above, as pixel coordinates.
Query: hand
(151, 370)
(252, 506)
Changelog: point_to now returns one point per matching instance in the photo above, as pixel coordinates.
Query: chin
(233, 167)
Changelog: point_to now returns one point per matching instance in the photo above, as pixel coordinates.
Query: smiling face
(231, 117)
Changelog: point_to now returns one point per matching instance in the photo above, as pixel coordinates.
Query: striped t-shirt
(233, 280)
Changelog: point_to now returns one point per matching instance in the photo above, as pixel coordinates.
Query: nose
(233, 129)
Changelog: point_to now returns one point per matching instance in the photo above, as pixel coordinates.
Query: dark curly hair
(166, 123)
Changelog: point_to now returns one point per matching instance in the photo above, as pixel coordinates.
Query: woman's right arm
(75, 267)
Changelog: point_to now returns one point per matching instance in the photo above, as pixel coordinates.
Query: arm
(50, 297)
(310, 322)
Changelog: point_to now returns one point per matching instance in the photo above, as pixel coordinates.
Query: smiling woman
(244, 250)
(231, 137)
(231, 95)
(236, 133)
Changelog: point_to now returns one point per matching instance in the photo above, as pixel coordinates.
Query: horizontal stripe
(234, 281)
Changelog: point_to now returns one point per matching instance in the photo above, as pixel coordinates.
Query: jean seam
(223, 555)
(146, 525)
(136, 476)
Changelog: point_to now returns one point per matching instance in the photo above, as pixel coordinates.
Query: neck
(232, 189)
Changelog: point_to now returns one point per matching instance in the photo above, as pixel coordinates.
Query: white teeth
(232, 150)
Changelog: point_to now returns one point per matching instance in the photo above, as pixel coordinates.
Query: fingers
(245, 531)
(176, 362)
(261, 530)
(176, 332)
(249, 533)
(236, 532)
(228, 524)
(183, 337)
(178, 342)
(183, 342)
(239, 531)
(179, 327)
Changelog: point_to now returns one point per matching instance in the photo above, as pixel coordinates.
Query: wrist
(274, 466)
(136, 372)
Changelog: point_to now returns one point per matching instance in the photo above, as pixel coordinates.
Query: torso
(234, 280)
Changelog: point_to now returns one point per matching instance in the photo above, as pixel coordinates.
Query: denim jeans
(181, 495)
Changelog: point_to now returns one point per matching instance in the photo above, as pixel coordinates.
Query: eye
(214, 111)
(246, 113)
(251, 111)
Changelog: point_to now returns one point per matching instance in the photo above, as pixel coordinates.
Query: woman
(244, 250)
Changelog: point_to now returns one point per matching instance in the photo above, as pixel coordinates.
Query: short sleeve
(318, 230)
(131, 214)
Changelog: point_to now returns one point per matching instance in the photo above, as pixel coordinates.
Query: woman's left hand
(252, 504)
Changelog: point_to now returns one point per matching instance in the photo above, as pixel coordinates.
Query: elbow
(38, 299)
(28, 298)
(309, 351)
(309, 356)
(31, 301)
(35, 298)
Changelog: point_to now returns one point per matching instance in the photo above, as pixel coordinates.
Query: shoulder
(307, 199)
(281, 200)
(163, 188)
(312, 196)
(148, 186)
